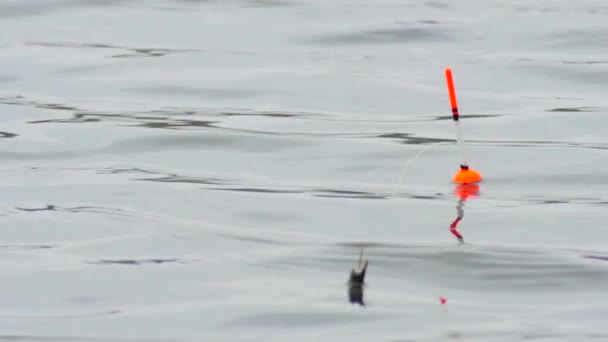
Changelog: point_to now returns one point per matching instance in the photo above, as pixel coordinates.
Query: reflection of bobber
(465, 174)
(464, 191)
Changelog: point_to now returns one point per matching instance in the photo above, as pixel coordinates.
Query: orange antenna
(465, 174)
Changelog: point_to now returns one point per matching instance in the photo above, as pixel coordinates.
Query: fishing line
(410, 161)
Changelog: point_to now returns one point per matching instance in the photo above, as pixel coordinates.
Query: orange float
(465, 174)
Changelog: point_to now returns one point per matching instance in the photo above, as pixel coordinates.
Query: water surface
(210, 170)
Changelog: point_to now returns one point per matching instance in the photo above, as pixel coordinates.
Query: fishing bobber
(465, 174)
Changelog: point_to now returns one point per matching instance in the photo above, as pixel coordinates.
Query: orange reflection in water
(463, 192)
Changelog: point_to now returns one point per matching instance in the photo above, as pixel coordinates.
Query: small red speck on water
(442, 300)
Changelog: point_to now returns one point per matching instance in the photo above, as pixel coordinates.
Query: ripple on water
(487, 268)
(399, 34)
(126, 52)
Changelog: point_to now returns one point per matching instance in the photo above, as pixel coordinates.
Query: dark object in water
(356, 282)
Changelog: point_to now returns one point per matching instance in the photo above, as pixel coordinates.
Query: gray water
(210, 170)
